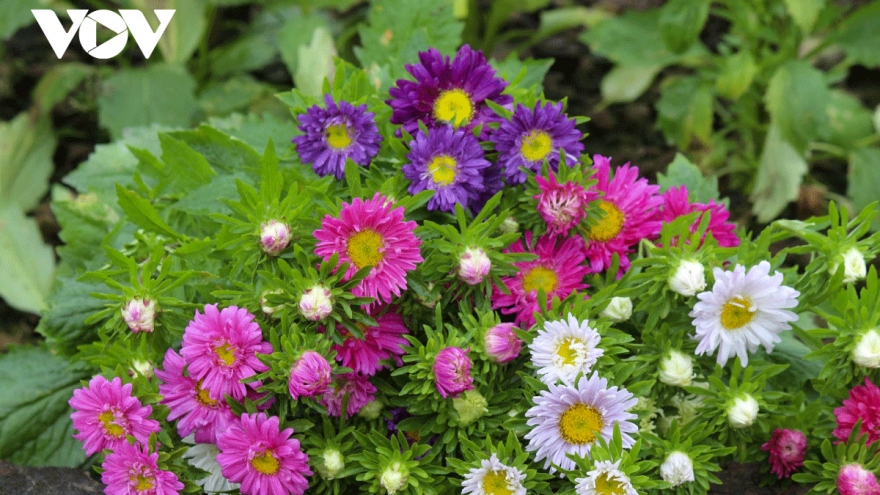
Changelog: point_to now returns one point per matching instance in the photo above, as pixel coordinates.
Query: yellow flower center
(580, 424)
(225, 354)
(203, 397)
(442, 169)
(495, 483)
(142, 483)
(536, 146)
(736, 312)
(363, 248)
(338, 136)
(265, 463)
(566, 351)
(112, 429)
(455, 107)
(605, 485)
(540, 278)
(610, 225)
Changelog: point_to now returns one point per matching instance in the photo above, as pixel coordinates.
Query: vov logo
(122, 23)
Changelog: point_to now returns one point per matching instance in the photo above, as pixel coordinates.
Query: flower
(854, 479)
(105, 413)
(333, 135)
(371, 410)
(333, 463)
(628, 205)
(677, 204)
(473, 265)
(563, 350)
(558, 271)
(743, 411)
(619, 309)
(561, 205)
(867, 351)
(787, 449)
(371, 234)
(509, 226)
(383, 341)
(394, 478)
(470, 406)
(493, 478)
(688, 279)
(189, 402)
(567, 419)
(452, 374)
(854, 268)
(309, 376)
(264, 302)
(501, 343)
(741, 311)
(677, 469)
(274, 237)
(448, 92)
(863, 404)
(221, 349)
(139, 314)
(316, 303)
(204, 457)
(605, 478)
(676, 369)
(532, 136)
(263, 458)
(132, 470)
(450, 163)
(358, 389)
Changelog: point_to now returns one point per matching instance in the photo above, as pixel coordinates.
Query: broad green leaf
(780, 172)
(297, 32)
(224, 153)
(859, 35)
(632, 39)
(237, 94)
(737, 73)
(247, 53)
(85, 221)
(184, 166)
(804, 12)
(864, 179)
(524, 74)
(63, 324)
(559, 19)
(685, 111)
(848, 120)
(796, 99)
(183, 33)
(315, 63)
(26, 263)
(682, 172)
(26, 148)
(625, 83)
(16, 14)
(142, 213)
(681, 22)
(58, 82)
(257, 130)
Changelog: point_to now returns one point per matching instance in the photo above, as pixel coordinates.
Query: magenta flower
(787, 449)
(263, 458)
(854, 479)
(452, 372)
(132, 470)
(562, 206)
(863, 403)
(379, 343)
(358, 389)
(676, 204)
(474, 265)
(502, 344)
(221, 349)
(309, 376)
(106, 413)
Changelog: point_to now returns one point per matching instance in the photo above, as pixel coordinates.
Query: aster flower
(558, 271)
(492, 478)
(371, 234)
(204, 457)
(605, 477)
(492, 184)
(263, 458)
(501, 343)
(189, 402)
(358, 389)
(787, 449)
(132, 470)
(567, 419)
(452, 369)
(474, 265)
(333, 135)
(561, 205)
(105, 413)
(854, 479)
(532, 136)
(742, 310)
(628, 204)
(448, 92)
(677, 204)
(677, 469)
(564, 349)
(383, 341)
(863, 404)
(448, 162)
(309, 376)
(221, 349)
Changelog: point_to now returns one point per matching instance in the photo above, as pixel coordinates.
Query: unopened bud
(867, 351)
(619, 309)
(334, 463)
(274, 237)
(688, 279)
(371, 410)
(139, 314)
(316, 303)
(474, 265)
(509, 226)
(394, 478)
(470, 406)
(677, 469)
(743, 412)
(501, 343)
(676, 369)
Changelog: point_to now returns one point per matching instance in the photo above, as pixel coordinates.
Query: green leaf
(142, 213)
(298, 31)
(63, 324)
(864, 179)
(805, 12)
(26, 148)
(796, 99)
(26, 263)
(737, 73)
(859, 35)
(632, 39)
(257, 130)
(85, 221)
(681, 22)
(685, 111)
(17, 14)
(58, 82)
(35, 426)
(184, 31)
(625, 83)
(238, 93)
(848, 120)
(682, 172)
(224, 153)
(780, 172)
(184, 165)
(315, 63)
(524, 74)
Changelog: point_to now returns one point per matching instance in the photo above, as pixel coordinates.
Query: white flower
(274, 237)
(676, 369)
(493, 478)
(204, 456)
(867, 352)
(677, 468)
(619, 309)
(688, 279)
(605, 478)
(854, 268)
(743, 411)
(742, 311)
(474, 265)
(563, 349)
(394, 478)
(264, 303)
(316, 303)
(333, 464)
(139, 314)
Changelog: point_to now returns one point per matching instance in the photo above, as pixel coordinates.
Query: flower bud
(509, 226)
(677, 468)
(854, 479)
(470, 406)
(743, 412)
(264, 302)
(854, 267)
(452, 374)
(309, 376)
(676, 369)
(501, 343)
(473, 265)
(619, 309)
(333, 464)
(371, 410)
(867, 352)
(139, 314)
(143, 368)
(689, 278)
(316, 303)
(274, 237)
(394, 478)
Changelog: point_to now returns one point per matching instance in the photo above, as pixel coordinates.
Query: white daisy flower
(567, 419)
(677, 469)
(493, 478)
(204, 456)
(605, 478)
(563, 349)
(742, 311)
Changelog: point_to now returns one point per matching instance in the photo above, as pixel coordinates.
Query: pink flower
(787, 449)
(221, 348)
(106, 413)
(371, 234)
(854, 479)
(559, 271)
(863, 403)
(452, 372)
(676, 204)
(186, 398)
(274, 237)
(501, 343)
(473, 265)
(309, 376)
(628, 203)
(562, 205)
(379, 343)
(132, 470)
(358, 389)
(263, 458)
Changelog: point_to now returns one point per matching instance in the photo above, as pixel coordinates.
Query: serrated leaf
(859, 35)
(142, 213)
(257, 130)
(26, 148)
(780, 172)
(527, 73)
(681, 22)
(625, 83)
(63, 324)
(184, 166)
(184, 31)
(634, 39)
(796, 98)
(315, 63)
(864, 179)
(804, 12)
(682, 172)
(85, 221)
(223, 152)
(27, 264)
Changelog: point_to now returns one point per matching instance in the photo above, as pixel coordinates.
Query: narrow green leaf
(142, 213)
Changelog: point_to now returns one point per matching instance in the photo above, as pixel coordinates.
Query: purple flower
(449, 162)
(132, 470)
(502, 344)
(335, 134)
(532, 136)
(452, 372)
(448, 92)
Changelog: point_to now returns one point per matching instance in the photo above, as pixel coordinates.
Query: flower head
(358, 389)
(333, 463)
(316, 303)
(383, 341)
(204, 456)
(452, 369)
(677, 469)
(863, 404)
(605, 478)
(676, 369)
(470, 406)
(139, 314)
(677, 204)
(562, 206)
(688, 279)
(274, 237)
(501, 343)
(564, 349)
(473, 265)
(854, 479)
(742, 412)
(309, 376)
(854, 267)
(493, 478)
(394, 478)
(619, 309)
(787, 449)
(867, 351)
(132, 470)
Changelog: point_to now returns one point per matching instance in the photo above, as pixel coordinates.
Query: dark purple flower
(336, 133)
(449, 162)
(492, 183)
(448, 92)
(531, 136)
